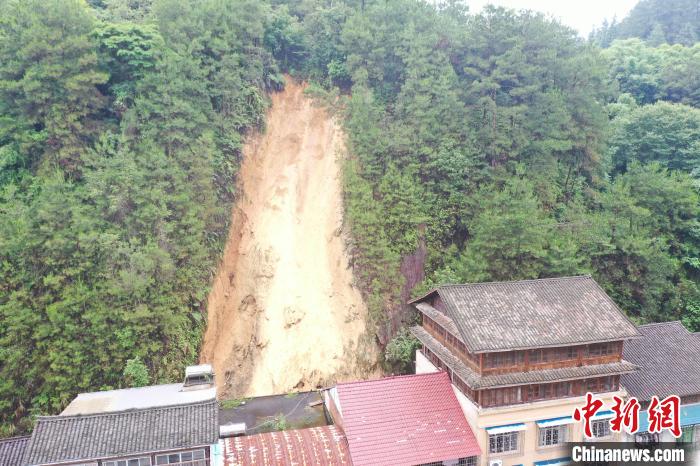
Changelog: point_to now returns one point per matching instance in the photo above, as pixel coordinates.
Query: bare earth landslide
(283, 312)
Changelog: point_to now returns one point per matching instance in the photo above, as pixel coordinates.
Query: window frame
(512, 438)
(600, 422)
(115, 462)
(561, 433)
(180, 453)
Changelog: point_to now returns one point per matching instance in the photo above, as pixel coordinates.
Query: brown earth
(283, 312)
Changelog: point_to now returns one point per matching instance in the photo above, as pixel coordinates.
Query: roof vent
(198, 377)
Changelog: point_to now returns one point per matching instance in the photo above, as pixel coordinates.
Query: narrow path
(283, 312)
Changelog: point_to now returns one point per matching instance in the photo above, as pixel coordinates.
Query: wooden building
(514, 348)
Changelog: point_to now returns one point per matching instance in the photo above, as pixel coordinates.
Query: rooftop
(12, 450)
(137, 398)
(312, 446)
(504, 316)
(410, 419)
(86, 437)
(260, 414)
(668, 356)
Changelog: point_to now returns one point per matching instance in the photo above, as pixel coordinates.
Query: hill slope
(283, 312)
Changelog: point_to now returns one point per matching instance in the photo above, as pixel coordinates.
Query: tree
(49, 80)
(662, 132)
(135, 373)
(401, 351)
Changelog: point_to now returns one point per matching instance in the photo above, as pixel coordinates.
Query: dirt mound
(283, 311)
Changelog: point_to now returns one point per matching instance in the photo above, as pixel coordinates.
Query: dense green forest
(499, 144)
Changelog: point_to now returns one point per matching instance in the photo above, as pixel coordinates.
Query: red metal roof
(315, 446)
(405, 420)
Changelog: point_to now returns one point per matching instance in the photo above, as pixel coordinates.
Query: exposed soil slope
(283, 312)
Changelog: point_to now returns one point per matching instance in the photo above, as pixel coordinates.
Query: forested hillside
(120, 131)
(494, 146)
(655, 21)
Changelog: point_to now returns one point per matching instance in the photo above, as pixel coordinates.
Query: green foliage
(657, 22)
(649, 73)
(49, 78)
(135, 373)
(112, 221)
(400, 352)
(662, 132)
(232, 403)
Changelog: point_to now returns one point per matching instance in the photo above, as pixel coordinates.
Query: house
(313, 446)
(403, 420)
(12, 451)
(668, 356)
(156, 425)
(521, 357)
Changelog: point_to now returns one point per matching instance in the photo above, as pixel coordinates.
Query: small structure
(156, 425)
(404, 420)
(315, 446)
(668, 356)
(12, 451)
(521, 357)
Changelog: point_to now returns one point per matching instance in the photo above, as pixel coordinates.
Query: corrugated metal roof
(12, 450)
(405, 420)
(476, 382)
(668, 355)
(315, 446)
(79, 438)
(502, 316)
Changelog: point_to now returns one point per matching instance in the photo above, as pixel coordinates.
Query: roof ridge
(514, 282)
(127, 411)
(668, 322)
(381, 379)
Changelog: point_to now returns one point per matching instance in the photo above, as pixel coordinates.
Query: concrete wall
(527, 413)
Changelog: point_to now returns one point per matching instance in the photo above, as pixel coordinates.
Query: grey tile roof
(12, 451)
(83, 437)
(501, 316)
(669, 357)
(477, 382)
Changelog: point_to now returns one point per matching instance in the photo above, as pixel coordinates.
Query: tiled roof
(501, 316)
(404, 420)
(315, 446)
(668, 355)
(12, 450)
(78, 438)
(476, 382)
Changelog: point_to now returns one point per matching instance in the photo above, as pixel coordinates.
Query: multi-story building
(522, 356)
(668, 356)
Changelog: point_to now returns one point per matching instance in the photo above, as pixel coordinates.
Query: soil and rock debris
(283, 311)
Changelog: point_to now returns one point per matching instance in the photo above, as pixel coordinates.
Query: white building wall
(528, 413)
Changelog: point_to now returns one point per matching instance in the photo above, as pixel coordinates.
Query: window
(601, 349)
(687, 435)
(563, 389)
(600, 428)
(504, 359)
(550, 436)
(182, 457)
(503, 443)
(646, 438)
(143, 461)
(470, 461)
